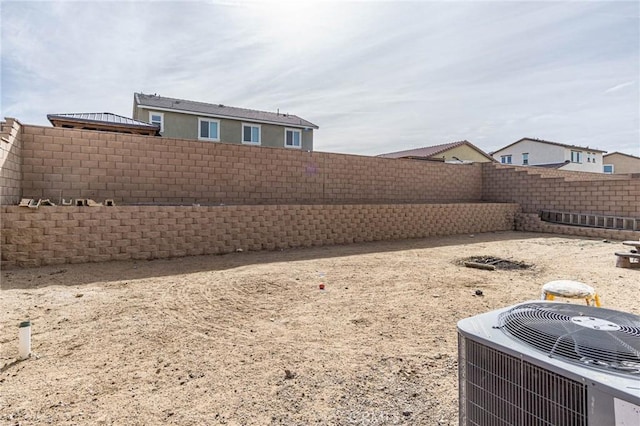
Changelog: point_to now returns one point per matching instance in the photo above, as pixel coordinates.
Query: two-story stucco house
(179, 118)
(541, 153)
(619, 163)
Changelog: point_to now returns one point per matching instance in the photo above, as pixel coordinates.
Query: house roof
(586, 148)
(622, 153)
(431, 151)
(171, 104)
(101, 118)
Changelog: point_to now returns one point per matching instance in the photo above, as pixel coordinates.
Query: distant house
(104, 121)
(185, 119)
(620, 163)
(541, 153)
(455, 152)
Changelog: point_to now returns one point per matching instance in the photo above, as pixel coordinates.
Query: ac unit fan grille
(550, 329)
(502, 390)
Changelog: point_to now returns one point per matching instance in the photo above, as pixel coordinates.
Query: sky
(375, 76)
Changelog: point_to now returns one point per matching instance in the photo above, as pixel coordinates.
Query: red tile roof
(431, 151)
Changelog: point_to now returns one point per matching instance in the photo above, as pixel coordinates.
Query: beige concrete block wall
(531, 222)
(72, 163)
(10, 161)
(57, 235)
(586, 193)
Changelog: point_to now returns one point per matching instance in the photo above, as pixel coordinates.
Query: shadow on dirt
(87, 273)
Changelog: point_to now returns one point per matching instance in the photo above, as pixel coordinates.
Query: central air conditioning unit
(544, 363)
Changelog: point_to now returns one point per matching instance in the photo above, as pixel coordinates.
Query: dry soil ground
(248, 338)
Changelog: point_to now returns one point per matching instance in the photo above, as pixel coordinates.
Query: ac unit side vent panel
(502, 390)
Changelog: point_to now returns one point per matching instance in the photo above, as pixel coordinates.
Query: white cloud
(619, 87)
(375, 76)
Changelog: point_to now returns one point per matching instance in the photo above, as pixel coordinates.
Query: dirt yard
(250, 339)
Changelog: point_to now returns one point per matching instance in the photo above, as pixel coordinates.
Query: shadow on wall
(123, 271)
(10, 162)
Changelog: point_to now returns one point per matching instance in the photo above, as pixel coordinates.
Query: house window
(505, 159)
(525, 159)
(608, 169)
(208, 129)
(292, 138)
(251, 133)
(576, 156)
(157, 118)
